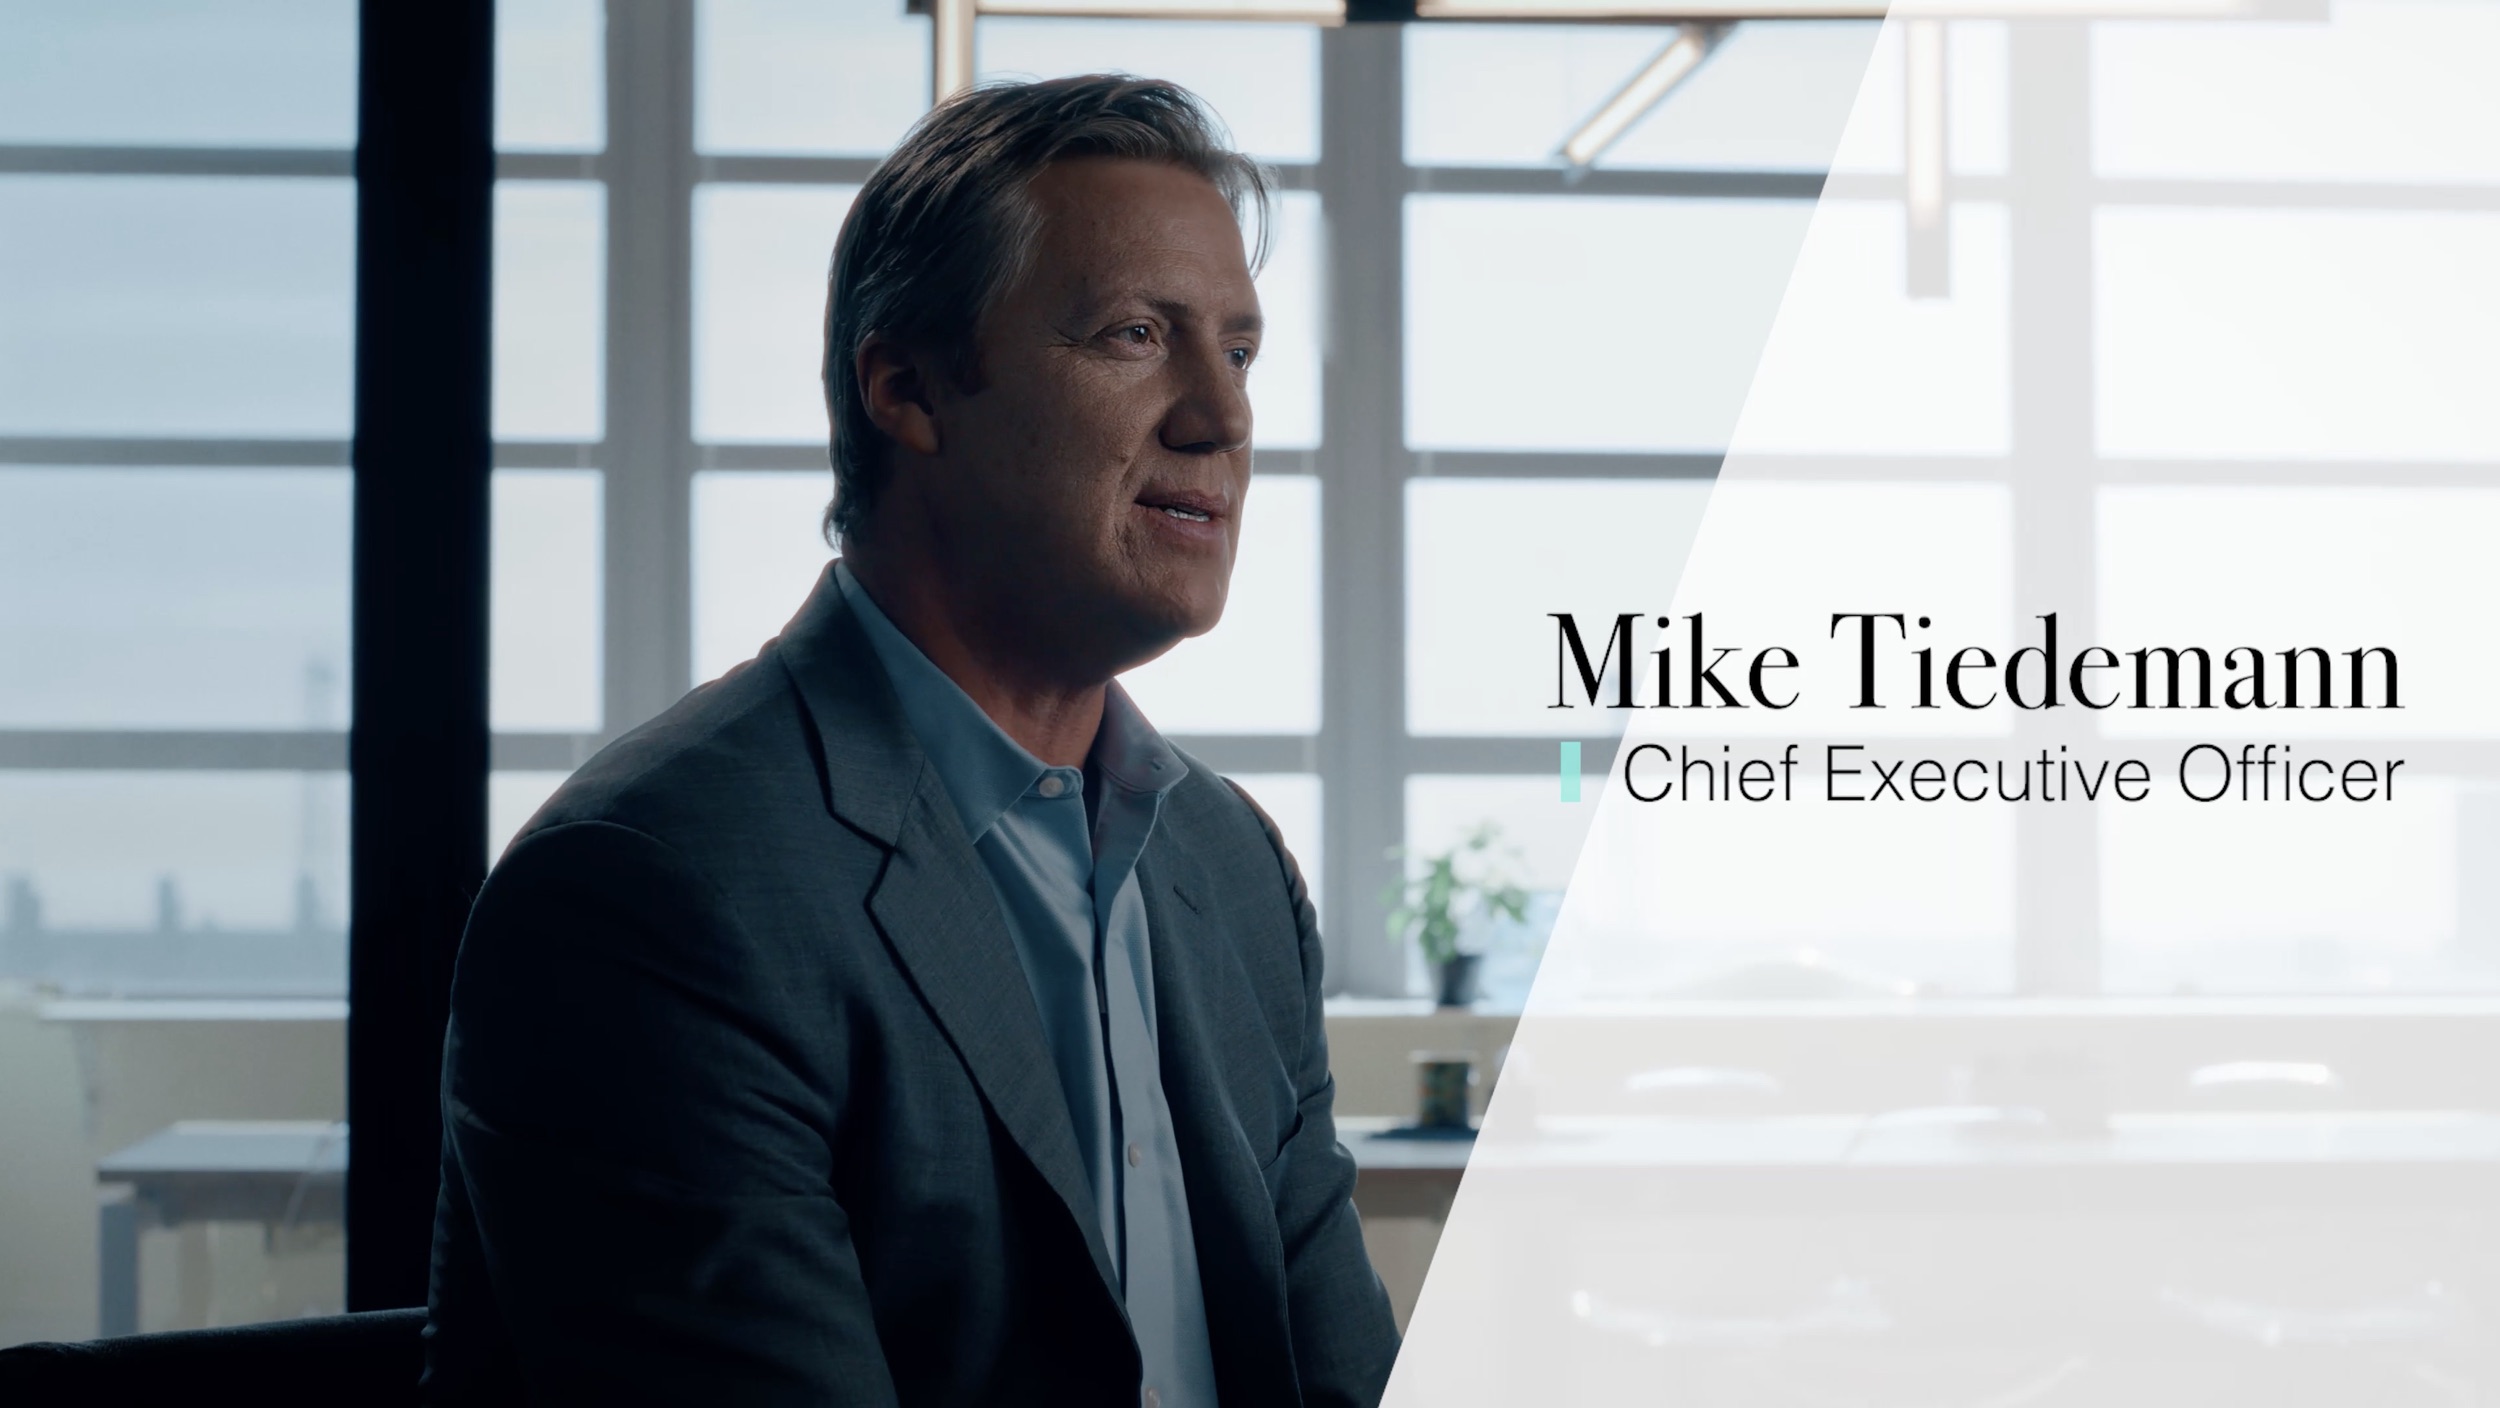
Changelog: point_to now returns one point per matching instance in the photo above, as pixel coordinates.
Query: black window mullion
(417, 743)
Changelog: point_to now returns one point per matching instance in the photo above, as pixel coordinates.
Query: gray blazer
(747, 1101)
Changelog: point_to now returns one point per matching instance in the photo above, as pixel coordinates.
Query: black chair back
(371, 1358)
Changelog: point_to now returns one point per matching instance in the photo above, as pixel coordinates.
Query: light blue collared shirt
(1069, 892)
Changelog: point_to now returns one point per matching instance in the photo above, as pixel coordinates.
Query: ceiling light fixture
(1634, 100)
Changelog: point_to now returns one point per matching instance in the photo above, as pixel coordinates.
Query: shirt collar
(984, 770)
(1129, 751)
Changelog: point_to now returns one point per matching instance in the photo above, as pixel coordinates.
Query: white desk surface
(231, 1149)
(1948, 1138)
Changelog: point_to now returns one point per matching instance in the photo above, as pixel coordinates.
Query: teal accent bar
(1571, 772)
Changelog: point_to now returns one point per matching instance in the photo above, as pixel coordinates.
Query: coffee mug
(1443, 1081)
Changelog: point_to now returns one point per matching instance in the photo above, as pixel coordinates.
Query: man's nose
(1211, 416)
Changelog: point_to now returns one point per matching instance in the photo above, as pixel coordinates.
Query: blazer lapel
(932, 901)
(1232, 1218)
(941, 918)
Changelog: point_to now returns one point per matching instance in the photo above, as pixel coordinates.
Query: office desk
(1948, 1161)
(1927, 1198)
(1807, 1257)
(277, 1172)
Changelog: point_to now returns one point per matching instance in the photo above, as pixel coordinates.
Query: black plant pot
(1457, 976)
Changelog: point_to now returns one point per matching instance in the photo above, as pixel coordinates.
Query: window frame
(650, 171)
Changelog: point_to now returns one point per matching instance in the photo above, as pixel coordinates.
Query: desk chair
(373, 1358)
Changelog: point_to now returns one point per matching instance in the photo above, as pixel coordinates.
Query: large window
(2261, 353)
(177, 249)
(1483, 380)
(176, 258)
(1492, 391)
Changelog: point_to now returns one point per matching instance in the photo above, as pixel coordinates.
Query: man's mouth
(1187, 505)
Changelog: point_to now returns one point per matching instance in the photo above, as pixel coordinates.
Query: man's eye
(1139, 333)
(1240, 358)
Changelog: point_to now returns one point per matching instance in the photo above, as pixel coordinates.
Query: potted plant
(1431, 907)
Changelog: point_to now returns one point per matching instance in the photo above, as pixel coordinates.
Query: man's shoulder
(1208, 802)
(730, 760)
(1225, 830)
(699, 844)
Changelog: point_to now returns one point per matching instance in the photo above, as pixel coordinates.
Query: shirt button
(1052, 785)
(1134, 1155)
(1151, 1399)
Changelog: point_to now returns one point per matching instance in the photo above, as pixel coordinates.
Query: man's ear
(895, 385)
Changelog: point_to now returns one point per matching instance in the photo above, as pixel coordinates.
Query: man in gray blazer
(900, 1019)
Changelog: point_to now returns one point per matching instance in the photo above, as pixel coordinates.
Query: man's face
(1096, 478)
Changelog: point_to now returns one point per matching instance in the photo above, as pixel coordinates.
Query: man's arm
(1344, 1336)
(644, 1160)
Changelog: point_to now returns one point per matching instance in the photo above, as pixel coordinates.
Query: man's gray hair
(945, 226)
